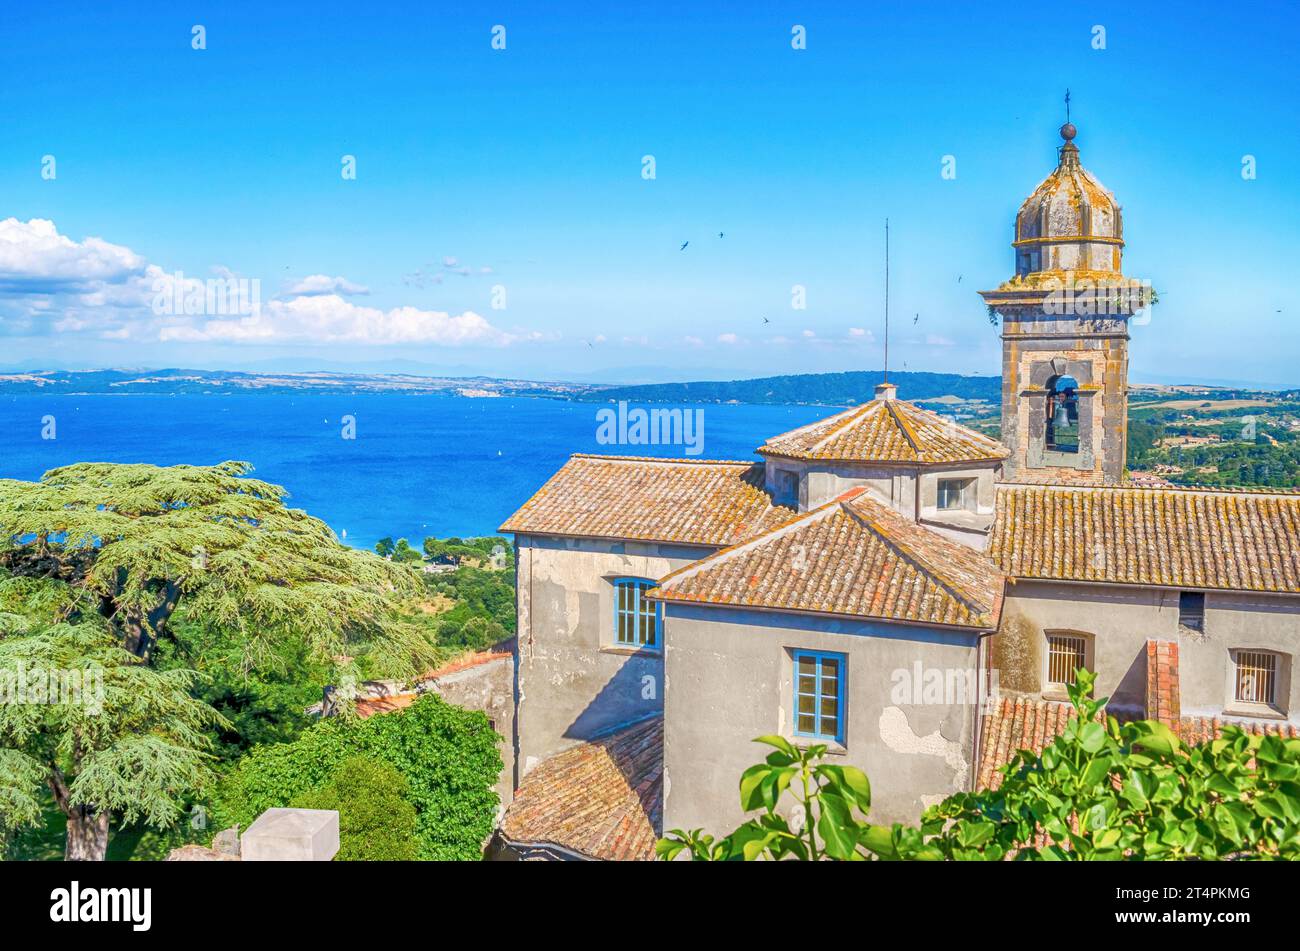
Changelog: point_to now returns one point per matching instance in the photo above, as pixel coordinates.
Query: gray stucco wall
(895, 486)
(572, 682)
(729, 679)
(1121, 618)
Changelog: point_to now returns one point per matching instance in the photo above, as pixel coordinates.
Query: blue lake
(419, 465)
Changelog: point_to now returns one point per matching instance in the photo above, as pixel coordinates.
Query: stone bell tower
(1065, 334)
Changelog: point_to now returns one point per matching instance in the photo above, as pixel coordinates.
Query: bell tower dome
(1065, 316)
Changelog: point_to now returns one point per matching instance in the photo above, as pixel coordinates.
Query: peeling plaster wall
(572, 682)
(729, 679)
(1121, 618)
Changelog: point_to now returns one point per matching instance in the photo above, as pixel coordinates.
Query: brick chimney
(1162, 698)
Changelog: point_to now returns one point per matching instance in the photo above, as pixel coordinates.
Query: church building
(906, 591)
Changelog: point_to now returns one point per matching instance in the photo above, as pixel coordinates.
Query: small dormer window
(787, 487)
(955, 494)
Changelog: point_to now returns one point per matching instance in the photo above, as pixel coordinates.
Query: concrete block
(292, 835)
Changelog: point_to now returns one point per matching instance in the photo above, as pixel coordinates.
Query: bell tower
(1065, 315)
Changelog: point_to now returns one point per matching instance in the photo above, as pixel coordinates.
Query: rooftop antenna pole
(886, 380)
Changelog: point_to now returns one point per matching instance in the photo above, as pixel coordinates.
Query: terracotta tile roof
(601, 800)
(472, 659)
(383, 701)
(1016, 724)
(1029, 723)
(886, 430)
(369, 706)
(668, 500)
(1175, 537)
(853, 557)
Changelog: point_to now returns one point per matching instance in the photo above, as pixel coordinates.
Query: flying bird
(958, 278)
(916, 318)
(720, 234)
(683, 247)
(766, 321)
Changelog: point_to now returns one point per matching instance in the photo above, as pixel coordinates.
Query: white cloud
(728, 338)
(809, 333)
(323, 284)
(50, 283)
(36, 258)
(331, 319)
(935, 340)
(858, 332)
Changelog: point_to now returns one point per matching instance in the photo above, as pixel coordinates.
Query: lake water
(419, 465)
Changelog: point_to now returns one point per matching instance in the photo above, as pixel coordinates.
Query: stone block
(292, 835)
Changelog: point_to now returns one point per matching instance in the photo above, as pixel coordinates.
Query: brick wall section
(1162, 699)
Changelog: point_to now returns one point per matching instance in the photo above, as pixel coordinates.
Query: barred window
(1066, 653)
(1256, 679)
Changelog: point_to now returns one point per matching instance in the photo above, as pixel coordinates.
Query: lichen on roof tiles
(852, 557)
(667, 500)
(1182, 538)
(887, 431)
(602, 799)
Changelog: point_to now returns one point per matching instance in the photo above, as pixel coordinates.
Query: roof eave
(989, 627)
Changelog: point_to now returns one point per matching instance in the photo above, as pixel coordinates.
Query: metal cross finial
(1067, 107)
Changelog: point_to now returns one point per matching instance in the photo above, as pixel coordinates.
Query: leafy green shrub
(1100, 790)
(448, 757)
(376, 823)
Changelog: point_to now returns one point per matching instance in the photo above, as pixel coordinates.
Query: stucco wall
(729, 679)
(895, 486)
(572, 682)
(1121, 618)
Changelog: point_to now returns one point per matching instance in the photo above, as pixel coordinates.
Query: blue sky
(521, 169)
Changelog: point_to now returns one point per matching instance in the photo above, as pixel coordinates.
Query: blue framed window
(637, 620)
(819, 695)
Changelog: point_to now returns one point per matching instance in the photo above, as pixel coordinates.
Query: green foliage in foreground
(447, 756)
(376, 823)
(1098, 791)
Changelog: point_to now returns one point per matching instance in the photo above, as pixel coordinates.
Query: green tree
(106, 734)
(137, 547)
(448, 757)
(376, 823)
(1099, 790)
(384, 547)
(405, 554)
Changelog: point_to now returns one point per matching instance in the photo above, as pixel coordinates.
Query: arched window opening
(1063, 414)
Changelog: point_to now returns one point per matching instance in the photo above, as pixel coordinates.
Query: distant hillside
(173, 381)
(830, 389)
(833, 389)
